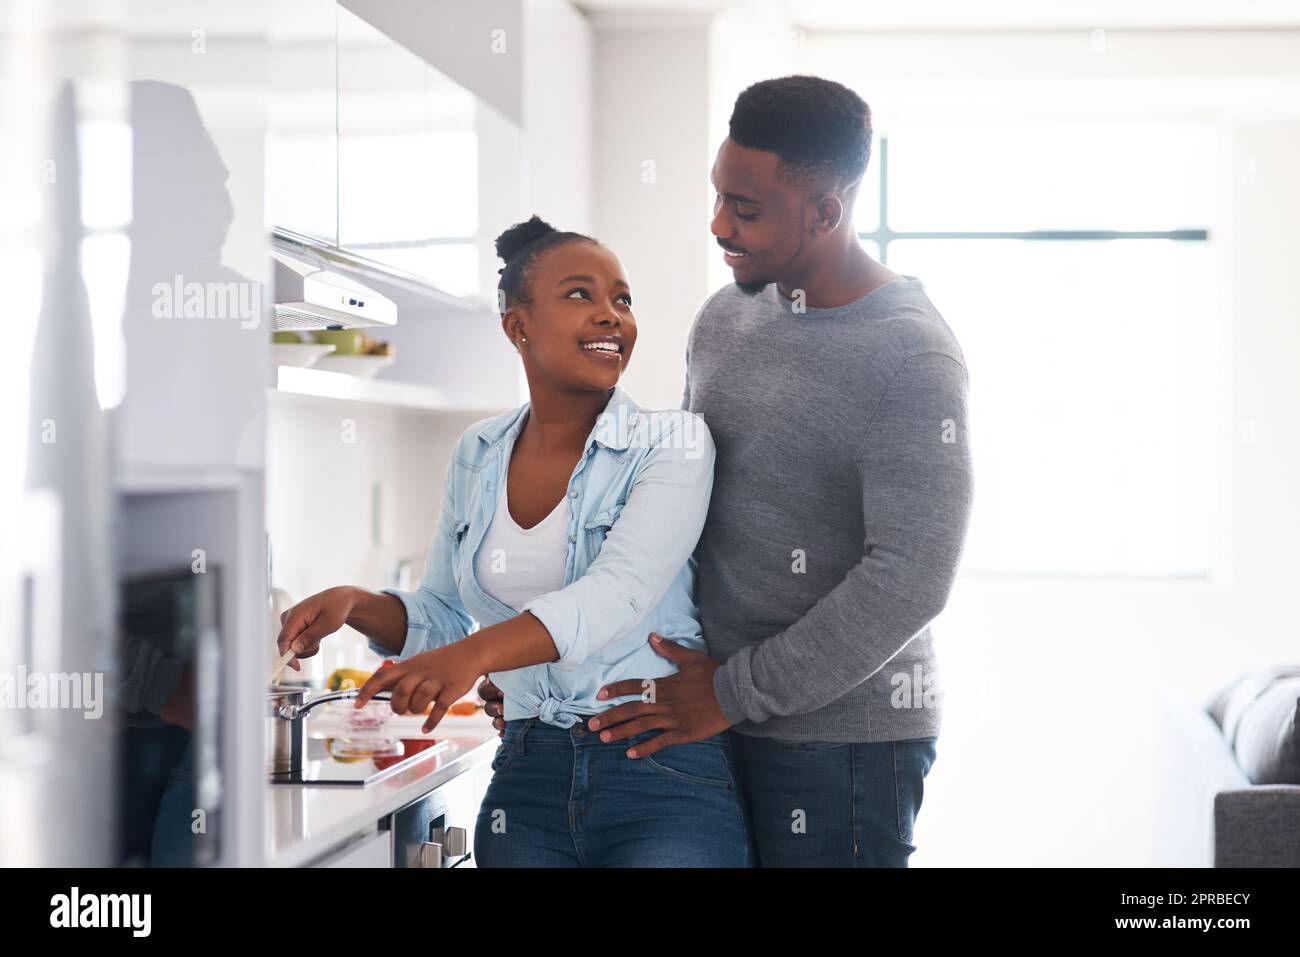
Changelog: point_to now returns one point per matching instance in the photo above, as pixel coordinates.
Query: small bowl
(366, 367)
(304, 355)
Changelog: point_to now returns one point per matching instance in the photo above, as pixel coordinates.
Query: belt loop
(523, 733)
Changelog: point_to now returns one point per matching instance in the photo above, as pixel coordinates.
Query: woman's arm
(304, 626)
(443, 676)
(381, 617)
(655, 534)
(515, 643)
(432, 615)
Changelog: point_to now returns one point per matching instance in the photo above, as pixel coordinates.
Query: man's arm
(916, 496)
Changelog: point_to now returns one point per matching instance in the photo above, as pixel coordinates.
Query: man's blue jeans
(832, 805)
(563, 798)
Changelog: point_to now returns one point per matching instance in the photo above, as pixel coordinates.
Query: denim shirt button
(573, 494)
(573, 537)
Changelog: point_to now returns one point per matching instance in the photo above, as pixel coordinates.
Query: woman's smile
(608, 348)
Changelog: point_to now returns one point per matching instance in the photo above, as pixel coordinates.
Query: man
(836, 396)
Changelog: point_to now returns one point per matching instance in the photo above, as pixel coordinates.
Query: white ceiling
(291, 17)
(842, 15)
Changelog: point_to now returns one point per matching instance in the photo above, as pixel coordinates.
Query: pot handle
(297, 711)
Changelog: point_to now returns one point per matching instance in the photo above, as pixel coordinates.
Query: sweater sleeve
(915, 471)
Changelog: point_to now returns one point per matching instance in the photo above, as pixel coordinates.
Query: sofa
(1227, 786)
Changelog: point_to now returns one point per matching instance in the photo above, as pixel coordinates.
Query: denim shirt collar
(613, 430)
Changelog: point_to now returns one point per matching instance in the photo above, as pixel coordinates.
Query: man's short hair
(820, 129)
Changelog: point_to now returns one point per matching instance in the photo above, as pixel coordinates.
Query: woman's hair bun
(520, 235)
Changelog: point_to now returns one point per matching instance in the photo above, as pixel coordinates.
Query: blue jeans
(832, 805)
(563, 798)
(156, 797)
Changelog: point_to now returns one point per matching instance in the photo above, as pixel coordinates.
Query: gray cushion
(1218, 703)
(1258, 717)
(1266, 745)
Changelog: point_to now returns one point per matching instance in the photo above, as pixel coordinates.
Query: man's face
(757, 218)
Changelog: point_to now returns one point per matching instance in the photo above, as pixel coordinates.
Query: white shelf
(318, 383)
(146, 479)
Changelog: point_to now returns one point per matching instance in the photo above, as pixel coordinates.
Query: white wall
(545, 165)
(557, 110)
(747, 43)
(319, 492)
(652, 155)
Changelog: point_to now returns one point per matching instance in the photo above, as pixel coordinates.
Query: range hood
(311, 295)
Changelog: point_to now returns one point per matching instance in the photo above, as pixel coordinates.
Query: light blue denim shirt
(638, 498)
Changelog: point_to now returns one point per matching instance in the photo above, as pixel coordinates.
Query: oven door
(438, 829)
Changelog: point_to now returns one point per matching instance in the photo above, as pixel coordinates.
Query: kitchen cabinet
(302, 134)
(404, 132)
(479, 45)
(407, 160)
(321, 825)
(373, 149)
(189, 434)
(209, 529)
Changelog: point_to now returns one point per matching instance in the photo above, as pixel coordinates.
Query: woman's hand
(304, 625)
(440, 677)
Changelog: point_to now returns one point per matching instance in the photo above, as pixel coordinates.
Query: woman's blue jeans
(563, 798)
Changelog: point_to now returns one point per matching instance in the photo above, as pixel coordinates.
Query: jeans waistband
(522, 728)
(537, 725)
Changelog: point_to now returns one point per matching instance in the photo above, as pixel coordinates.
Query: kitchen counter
(306, 822)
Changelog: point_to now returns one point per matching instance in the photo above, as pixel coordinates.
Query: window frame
(884, 234)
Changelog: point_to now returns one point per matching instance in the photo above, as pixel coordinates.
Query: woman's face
(578, 322)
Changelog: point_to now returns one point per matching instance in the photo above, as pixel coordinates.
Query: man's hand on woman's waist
(682, 705)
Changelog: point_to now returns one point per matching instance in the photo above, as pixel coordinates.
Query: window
(1074, 264)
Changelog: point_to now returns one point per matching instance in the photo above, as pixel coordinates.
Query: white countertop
(304, 822)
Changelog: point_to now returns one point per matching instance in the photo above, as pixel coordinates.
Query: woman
(566, 531)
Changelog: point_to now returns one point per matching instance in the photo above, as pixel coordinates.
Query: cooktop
(341, 763)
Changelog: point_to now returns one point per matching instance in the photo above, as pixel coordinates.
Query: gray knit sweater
(840, 503)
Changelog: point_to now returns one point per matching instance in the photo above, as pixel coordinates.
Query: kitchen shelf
(142, 479)
(340, 385)
(318, 383)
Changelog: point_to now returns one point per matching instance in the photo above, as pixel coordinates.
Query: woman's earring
(523, 338)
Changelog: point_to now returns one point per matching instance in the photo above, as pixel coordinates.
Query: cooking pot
(286, 728)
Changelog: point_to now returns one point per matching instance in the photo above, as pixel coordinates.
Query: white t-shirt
(516, 564)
